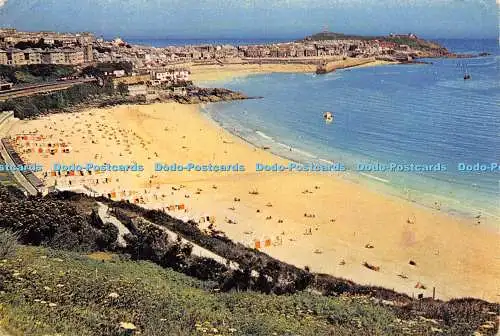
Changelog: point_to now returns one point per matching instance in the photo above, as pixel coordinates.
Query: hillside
(413, 42)
(326, 35)
(79, 280)
(47, 291)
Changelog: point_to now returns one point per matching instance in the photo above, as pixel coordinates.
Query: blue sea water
(421, 114)
(165, 42)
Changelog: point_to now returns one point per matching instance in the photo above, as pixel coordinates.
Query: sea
(386, 117)
(166, 42)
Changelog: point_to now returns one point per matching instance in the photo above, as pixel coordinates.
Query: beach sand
(203, 73)
(316, 219)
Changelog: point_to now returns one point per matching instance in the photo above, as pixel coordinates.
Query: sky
(255, 18)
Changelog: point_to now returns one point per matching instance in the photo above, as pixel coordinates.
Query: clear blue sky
(254, 18)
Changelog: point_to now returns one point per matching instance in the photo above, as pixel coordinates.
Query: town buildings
(21, 48)
(151, 58)
(67, 56)
(174, 76)
(84, 48)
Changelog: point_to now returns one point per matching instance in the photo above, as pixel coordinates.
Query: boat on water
(466, 71)
(328, 116)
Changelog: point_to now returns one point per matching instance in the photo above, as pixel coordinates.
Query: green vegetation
(79, 95)
(122, 89)
(82, 282)
(40, 44)
(101, 68)
(35, 73)
(45, 291)
(417, 44)
(6, 178)
(414, 43)
(8, 243)
(323, 36)
(31, 106)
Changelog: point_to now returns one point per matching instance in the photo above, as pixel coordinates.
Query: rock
(419, 285)
(114, 295)
(127, 326)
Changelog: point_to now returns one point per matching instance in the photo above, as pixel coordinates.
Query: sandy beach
(314, 219)
(202, 73)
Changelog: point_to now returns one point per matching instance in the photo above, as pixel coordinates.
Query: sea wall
(342, 64)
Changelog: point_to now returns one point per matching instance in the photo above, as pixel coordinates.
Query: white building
(170, 75)
(119, 73)
(137, 90)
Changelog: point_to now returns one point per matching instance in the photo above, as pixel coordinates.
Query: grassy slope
(35, 73)
(419, 44)
(162, 302)
(6, 179)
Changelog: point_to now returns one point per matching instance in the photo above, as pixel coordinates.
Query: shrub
(8, 243)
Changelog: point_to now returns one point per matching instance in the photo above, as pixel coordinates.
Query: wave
(285, 146)
(296, 150)
(264, 135)
(304, 153)
(375, 178)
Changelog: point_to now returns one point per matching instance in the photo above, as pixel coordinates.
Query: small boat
(466, 72)
(328, 116)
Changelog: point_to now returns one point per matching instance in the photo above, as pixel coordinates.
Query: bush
(39, 221)
(8, 243)
(32, 106)
(107, 241)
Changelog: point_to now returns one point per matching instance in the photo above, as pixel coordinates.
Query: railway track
(40, 88)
